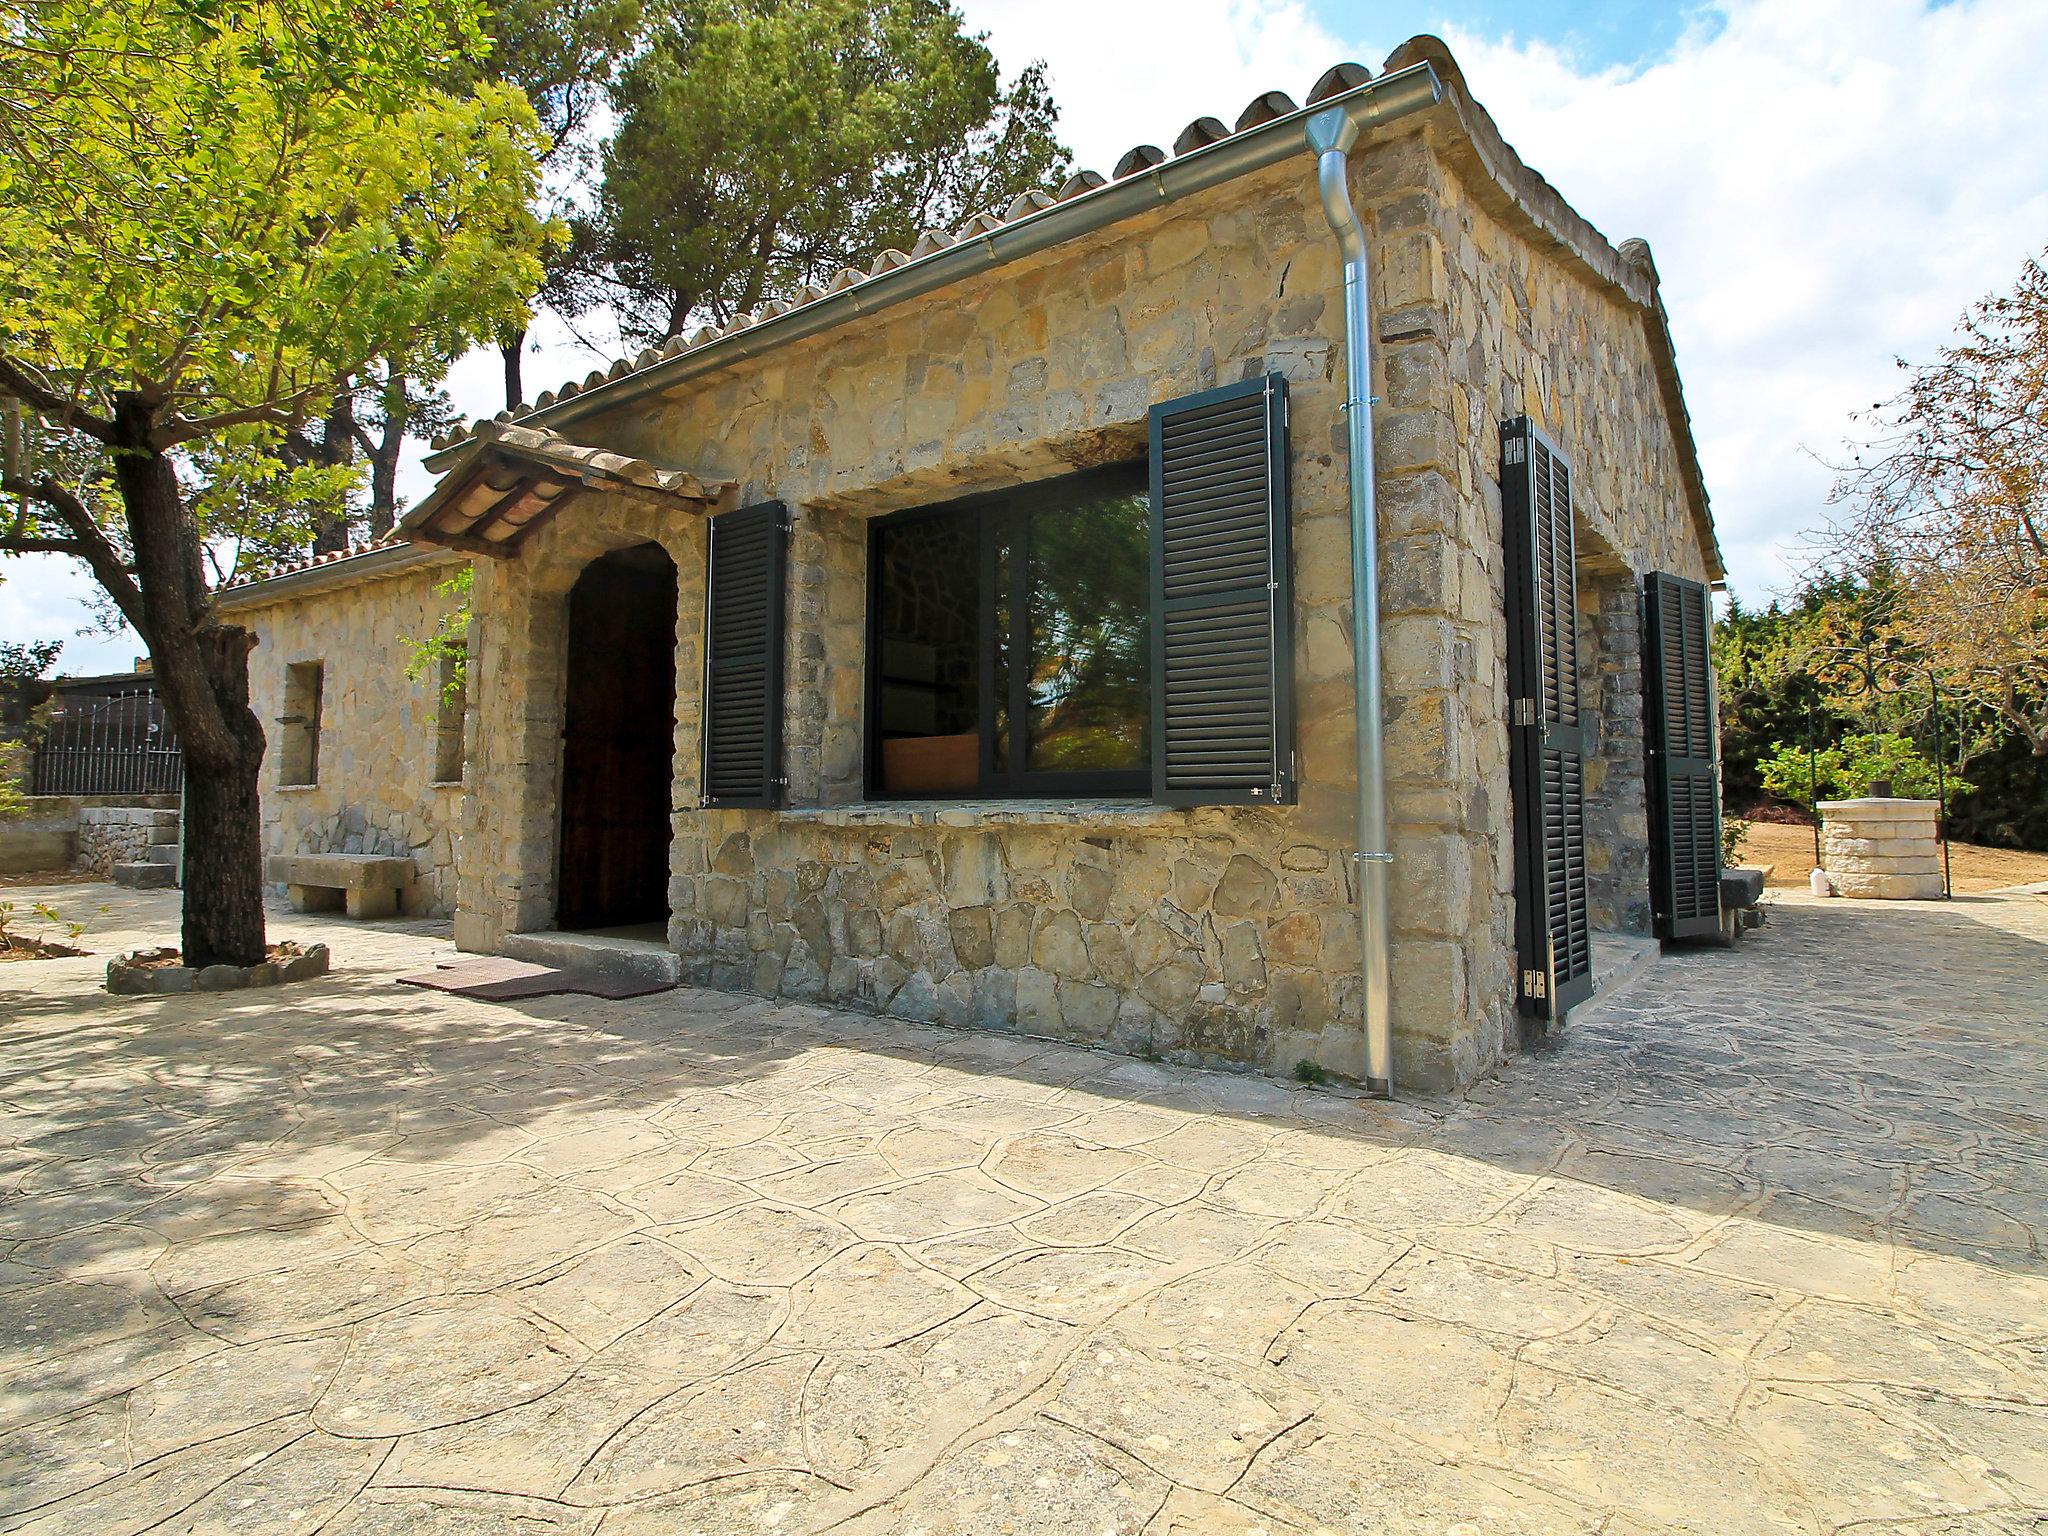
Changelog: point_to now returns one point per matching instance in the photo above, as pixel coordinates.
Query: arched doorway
(618, 742)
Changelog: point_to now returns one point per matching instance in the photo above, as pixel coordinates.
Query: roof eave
(371, 564)
(1378, 101)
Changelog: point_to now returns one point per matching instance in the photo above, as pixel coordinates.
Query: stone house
(974, 640)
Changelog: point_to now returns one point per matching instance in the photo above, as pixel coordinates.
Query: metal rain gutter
(1364, 106)
(384, 560)
(1331, 133)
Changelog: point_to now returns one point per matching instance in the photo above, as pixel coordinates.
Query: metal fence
(115, 743)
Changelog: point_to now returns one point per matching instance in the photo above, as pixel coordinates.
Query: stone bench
(363, 884)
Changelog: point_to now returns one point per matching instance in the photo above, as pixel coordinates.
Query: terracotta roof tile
(1337, 79)
(1199, 134)
(1203, 131)
(1266, 107)
(1263, 108)
(1139, 157)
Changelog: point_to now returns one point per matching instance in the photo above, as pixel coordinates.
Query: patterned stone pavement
(1756, 1248)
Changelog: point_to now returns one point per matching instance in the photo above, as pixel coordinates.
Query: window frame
(302, 732)
(1015, 507)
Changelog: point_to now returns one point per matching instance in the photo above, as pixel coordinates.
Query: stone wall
(375, 791)
(120, 834)
(1482, 321)
(1208, 935)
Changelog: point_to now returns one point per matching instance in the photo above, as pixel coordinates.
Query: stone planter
(145, 972)
(1884, 848)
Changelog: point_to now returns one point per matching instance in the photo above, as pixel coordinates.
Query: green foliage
(26, 662)
(14, 761)
(448, 643)
(1733, 830)
(1306, 1071)
(765, 144)
(1845, 770)
(1766, 693)
(227, 207)
(11, 937)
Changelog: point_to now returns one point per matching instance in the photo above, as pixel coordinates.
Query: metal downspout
(1331, 134)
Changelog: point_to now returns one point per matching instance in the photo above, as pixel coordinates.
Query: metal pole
(1948, 889)
(1331, 133)
(1813, 783)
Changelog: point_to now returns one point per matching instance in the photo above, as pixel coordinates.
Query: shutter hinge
(1528, 711)
(1514, 450)
(1535, 984)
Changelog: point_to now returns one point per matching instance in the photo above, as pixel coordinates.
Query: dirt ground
(1790, 850)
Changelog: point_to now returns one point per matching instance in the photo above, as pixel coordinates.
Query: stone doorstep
(162, 853)
(144, 875)
(607, 954)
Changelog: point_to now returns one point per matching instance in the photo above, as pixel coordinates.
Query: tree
(563, 55)
(766, 144)
(1951, 500)
(212, 214)
(22, 689)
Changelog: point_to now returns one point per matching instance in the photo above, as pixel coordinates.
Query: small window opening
(451, 706)
(299, 761)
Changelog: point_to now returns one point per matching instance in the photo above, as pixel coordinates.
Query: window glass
(1011, 652)
(928, 630)
(1089, 705)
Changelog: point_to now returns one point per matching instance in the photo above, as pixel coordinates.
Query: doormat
(495, 979)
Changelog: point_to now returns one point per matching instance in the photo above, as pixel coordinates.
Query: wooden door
(618, 742)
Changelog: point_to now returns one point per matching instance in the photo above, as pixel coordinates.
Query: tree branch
(18, 380)
(9, 545)
(183, 429)
(92, 544)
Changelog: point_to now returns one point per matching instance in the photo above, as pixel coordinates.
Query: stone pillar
(1882, 848)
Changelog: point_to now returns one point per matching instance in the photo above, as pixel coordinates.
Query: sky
(1825, 184)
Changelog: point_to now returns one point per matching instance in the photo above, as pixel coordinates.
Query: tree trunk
(515, 391)
(223, 918)
(385, 455)
(202, 672)
(337, 447)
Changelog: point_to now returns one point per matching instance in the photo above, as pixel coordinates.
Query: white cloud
(1826, 184)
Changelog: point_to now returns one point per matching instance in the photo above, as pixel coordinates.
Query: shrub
(1846, 770)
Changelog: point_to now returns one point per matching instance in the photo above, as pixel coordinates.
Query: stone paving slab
(1755, 1246)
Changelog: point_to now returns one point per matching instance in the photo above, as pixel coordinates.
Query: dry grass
(1789, 850)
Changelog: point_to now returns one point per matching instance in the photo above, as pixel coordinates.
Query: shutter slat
(1553, 909)
(1685, 778)
(743, 642)
(1222, 707)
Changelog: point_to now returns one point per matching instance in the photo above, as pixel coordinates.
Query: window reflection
(927, 600)
(1088, 599)
(1011, 642)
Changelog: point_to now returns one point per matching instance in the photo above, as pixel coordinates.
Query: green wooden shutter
(1222, 633)
(1684, 758)
(743, 625)
(1547, 740)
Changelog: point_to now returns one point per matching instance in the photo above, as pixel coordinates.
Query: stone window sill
(445, 783)
(290, 789)
(1112, 814)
